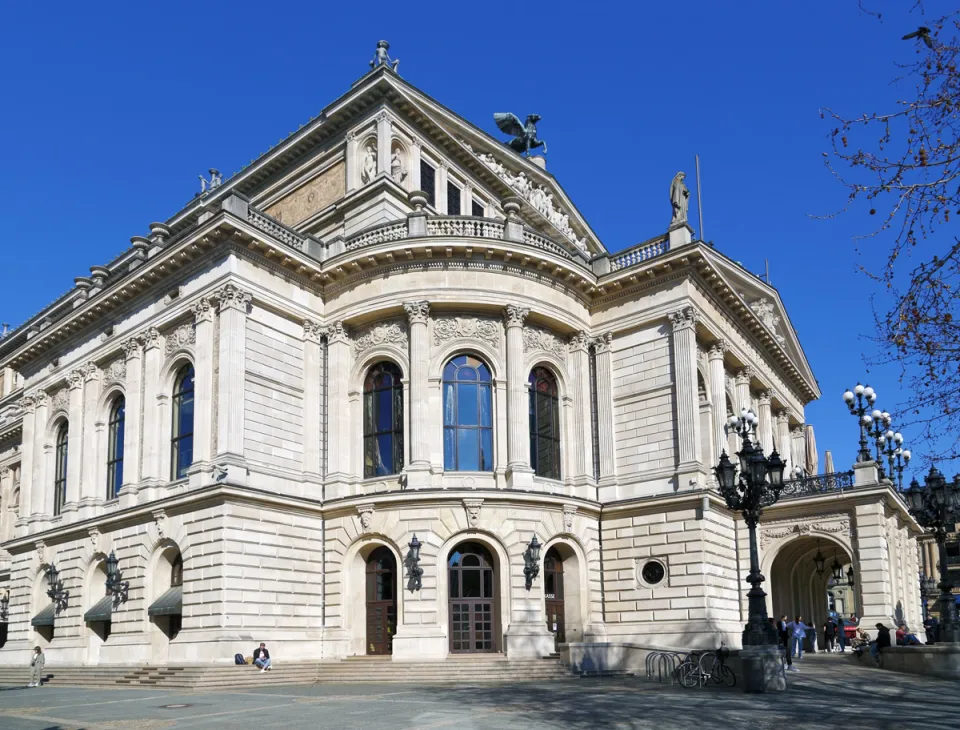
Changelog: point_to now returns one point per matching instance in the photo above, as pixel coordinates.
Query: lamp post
(757, 485)
(819, 561)
(531, 562)
(936, 507)
(414, 571)
(928, 590)
(880, 427)
(115, 584)
(860, 400)
(56, 593)
(897, 460)
(5, 608)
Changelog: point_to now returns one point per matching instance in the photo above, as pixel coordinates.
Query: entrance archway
(797, 588)
(381, 581)
(553, 594)
(474, 610)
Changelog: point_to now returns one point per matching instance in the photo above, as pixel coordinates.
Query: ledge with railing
(275, 228)
(817, 484)
(640, 253)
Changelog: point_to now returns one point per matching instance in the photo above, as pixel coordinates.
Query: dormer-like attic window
(428, 182)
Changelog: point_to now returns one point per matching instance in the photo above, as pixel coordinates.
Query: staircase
(456, 669)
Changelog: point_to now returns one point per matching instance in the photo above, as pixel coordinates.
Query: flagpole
(699, 199)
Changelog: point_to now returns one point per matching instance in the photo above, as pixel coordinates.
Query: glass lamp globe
(859, 389)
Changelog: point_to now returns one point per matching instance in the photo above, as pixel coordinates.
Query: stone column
(766, 426)
(687, 410)
(203, 386)
(6, 493)
(783, 439)
(414, 171)
(798, 449)
(88, 469)
(233, 306)
(312, 400)
(874, 580)
(384, 136)
(75, 445)
(151, 470)
(718, 395)
(519, 474)
(743, 390)
(340, 479)
(581, 441)
(604, 367)
(352, 162)
(41, 497)
(9, 378)
(132, 421)
(440, 196)
(28, 500)
(418, 470)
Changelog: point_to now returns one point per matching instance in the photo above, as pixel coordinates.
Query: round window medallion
(653, 572)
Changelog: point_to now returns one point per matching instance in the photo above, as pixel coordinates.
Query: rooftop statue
(679, 198)
(215, 181)
(525, 135)
(382, 58)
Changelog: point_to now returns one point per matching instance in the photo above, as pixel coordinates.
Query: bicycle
(694, 670)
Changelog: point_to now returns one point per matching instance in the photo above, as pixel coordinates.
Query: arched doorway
(809, 578)
(474, 613)
(381, 577)
(553, 593)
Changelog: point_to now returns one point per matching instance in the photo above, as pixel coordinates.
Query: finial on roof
(382, 58)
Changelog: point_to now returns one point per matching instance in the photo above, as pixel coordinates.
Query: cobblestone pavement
(828, 691)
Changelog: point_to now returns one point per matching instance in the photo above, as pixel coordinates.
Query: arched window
(467, 415)
(182, 440)
(544, 424)
(60, 471)
(382, 421)
(115, 447)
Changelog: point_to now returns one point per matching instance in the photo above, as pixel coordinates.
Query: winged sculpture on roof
(524, 135)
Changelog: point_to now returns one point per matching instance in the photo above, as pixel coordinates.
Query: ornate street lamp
(56, 592)
(928, 590)
(880, 427)
(851, 577)
(115, 584)
(531, 562)
(5, 608)
(860, 400)
(819, 561)
(758, 485)
(936, 507)
(414, 571)
(836, 570)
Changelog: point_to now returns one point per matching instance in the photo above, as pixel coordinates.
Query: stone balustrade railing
(817, 484)
(378, 234)
(467, 227)
(639, 253)
(275, 228)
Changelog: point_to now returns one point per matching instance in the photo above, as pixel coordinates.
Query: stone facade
(280, 305)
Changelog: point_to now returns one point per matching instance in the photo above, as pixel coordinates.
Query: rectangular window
(428, 182)
(477, 209)
(453, 199)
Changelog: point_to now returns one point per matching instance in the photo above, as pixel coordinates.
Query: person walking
(37, 663)
(830, 635)
(796, 631)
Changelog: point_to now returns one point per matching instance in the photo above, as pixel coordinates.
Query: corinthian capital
(151, 338)
(417, 312)
(515, 315)
(717, 349)
(579, 342)
(131, 347)
(745, 376)
(75, 379)
(764, 397)
(685, 318)
(312, 331)
(602, 343)
(231, 296)
(202, 311)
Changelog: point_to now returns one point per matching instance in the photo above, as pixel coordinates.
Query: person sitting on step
(261, 657)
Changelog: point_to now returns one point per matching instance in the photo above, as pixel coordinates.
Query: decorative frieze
(381, 333)
(60, 400)
(780, 531)
(470, 328)
(184, 336)
(538, 339)
(766, 311)
(115, 372)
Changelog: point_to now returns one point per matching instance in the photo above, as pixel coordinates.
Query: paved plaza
(828, 692)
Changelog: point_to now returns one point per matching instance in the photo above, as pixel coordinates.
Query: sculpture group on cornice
(538, 197)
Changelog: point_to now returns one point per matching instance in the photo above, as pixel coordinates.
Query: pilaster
(9, 378)
(88, 468)
(414, 171)
(603, 346)
(132, 426)
(203, 386)
(151, 469)
(581, 441)
(312, 399)
(340, 480)
(519, 474)
(28, 501)
(384, 135)
(40, 505)
(418, 470)
(874, 577)
(440, 194)
(233, 307)
(75, 445)
(6, 494)
(718, 395)
(684, 322)
(352, 162)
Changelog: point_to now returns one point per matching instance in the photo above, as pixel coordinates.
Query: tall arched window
(115, 447)
(544, 424)
(467, 415)
(382, 421)
(60, 471)
(182, 440)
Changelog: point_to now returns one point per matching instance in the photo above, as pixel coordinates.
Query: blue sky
(110, 111)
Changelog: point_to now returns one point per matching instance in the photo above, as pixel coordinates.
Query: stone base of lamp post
(762, 669)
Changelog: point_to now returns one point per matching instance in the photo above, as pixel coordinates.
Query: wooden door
(553, 593)
(474, 617)
(381, 601)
